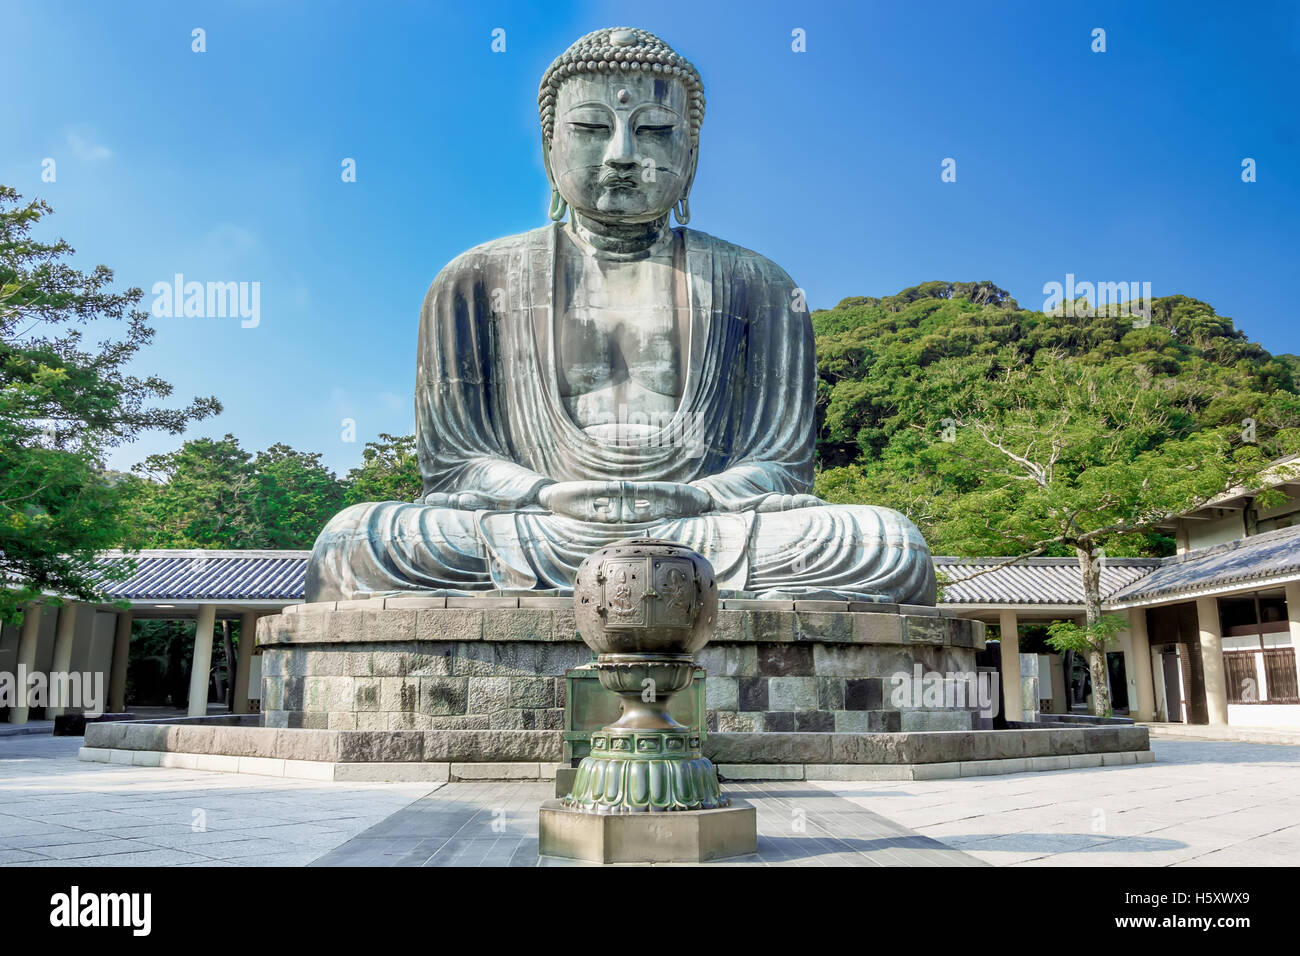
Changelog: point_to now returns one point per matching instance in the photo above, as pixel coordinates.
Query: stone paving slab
(58, 811)
(1200, 803)
(31, 727)
(495, 824)
(1289, 736)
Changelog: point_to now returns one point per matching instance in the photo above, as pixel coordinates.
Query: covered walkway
(1212, 637)
(206, 587)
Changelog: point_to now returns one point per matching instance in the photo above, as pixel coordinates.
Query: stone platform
(237, 744)
(464, 689)
(498, 663)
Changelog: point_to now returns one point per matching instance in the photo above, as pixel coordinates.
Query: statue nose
(621, 154)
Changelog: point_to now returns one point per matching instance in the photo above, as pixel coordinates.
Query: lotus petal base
(645, 771)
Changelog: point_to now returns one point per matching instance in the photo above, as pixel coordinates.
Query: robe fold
(490, 420)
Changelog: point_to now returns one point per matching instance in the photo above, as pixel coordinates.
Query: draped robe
(490, 420)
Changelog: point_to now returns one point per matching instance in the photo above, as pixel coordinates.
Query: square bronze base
(683, 836)
(564, 778)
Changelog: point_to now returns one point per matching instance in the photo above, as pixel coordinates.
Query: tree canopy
(212, 493)
(898, 375)
(1014, 433)
(63, 405)
(389, 471)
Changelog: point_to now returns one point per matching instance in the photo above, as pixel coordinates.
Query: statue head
(621, 113)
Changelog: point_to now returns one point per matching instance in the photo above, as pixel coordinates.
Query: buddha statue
(608, 376)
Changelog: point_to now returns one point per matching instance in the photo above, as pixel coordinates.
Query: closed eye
(655, 129)
(589, 127)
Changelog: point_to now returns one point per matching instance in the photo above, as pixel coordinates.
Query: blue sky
(225, 165)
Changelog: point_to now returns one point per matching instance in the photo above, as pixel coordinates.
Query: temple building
(1213, 630)
(1212, 637)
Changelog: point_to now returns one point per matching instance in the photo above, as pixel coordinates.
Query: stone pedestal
(497, 663)
(691, 836)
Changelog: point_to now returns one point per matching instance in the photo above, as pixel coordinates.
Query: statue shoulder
(745, 265)
(739, 258)
(487, 256)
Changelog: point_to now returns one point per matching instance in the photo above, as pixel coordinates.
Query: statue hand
(788, 502)
(624, 502)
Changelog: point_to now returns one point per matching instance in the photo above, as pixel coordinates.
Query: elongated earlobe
(682, 211)
(558, 206)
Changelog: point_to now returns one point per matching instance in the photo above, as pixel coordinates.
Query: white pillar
(247, 641)
(1216, 692)
(1158, 683)
(1261, 678)
(1293, 616)
(121, 653)
(26, 662)
(202, 662)
(1144, 707)
(1010, 663)
(61, 663)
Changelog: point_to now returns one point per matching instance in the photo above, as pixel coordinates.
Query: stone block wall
(427, 685)
(494, 663)
(820, 671)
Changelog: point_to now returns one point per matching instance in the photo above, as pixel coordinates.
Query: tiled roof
(200, 575)
(211, 575)
(1046, 581)
(165, 575)
(1272, 554)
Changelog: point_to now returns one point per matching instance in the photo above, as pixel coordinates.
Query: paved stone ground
(1245, 735)
(31, 727)
(58, 811)
(1200, 803)
(495, 824)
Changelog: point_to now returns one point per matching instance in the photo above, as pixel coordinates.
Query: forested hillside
(897, 373)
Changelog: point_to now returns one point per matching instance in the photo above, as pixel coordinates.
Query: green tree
(199, 496)
(891, 366)
(1061, 455)
(1001, 430)
(295, 494)
(213, 494)
(62, 407)
(389, 471)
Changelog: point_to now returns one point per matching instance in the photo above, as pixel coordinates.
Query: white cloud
(228, 239)
(86, 150)
(225, 251)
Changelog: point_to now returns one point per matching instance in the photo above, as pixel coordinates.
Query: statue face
(621, 149)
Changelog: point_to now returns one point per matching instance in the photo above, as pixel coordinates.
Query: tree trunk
(228, 646)
(1090, 560)
(1100, 682)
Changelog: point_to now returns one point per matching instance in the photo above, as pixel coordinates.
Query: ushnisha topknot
(620, 50)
